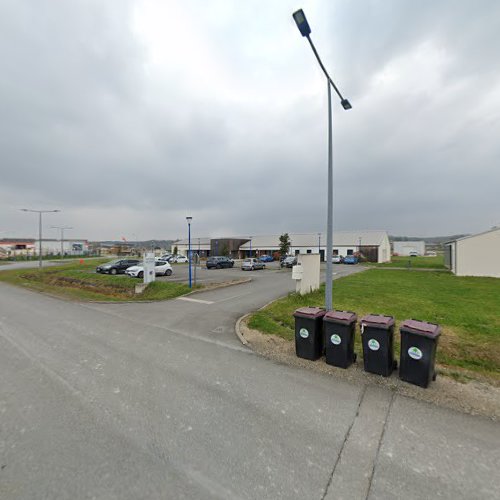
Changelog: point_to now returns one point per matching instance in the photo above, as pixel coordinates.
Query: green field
(468, 309)
(80, 282)
(412, 262)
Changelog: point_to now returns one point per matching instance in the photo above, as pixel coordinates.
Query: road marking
(195, 300)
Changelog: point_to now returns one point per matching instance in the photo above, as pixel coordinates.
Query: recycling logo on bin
(335, 339)
(415, 353)
(373, 345)
(304, 333)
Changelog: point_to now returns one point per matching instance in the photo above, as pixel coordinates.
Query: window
(309, 250)
(350, 252)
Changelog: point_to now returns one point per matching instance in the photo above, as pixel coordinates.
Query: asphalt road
(131, 401)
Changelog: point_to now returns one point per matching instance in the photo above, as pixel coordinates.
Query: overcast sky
(129, 115)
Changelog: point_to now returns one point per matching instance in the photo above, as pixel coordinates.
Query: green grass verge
(467, 308)
(412, 262)
(80, 282)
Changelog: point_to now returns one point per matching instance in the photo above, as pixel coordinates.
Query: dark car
(117, 266)
(219, 262)
(266, 258)
(289, 262)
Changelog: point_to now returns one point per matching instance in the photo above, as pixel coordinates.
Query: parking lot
(206, 276)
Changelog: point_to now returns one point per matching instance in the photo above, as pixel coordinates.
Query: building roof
(492, 230)
(340, 238)
(10, 241)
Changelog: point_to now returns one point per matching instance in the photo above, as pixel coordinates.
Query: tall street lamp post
(319, 245)
(250, 246)
(39, 212)
(189, 219)
(61, 228)
(305, 30)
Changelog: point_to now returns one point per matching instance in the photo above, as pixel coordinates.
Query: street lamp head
(346, 104)
(301, 21)
(189, 219)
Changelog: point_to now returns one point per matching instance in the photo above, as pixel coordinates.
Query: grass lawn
(80, 282)
(467, 308)
(413, 262)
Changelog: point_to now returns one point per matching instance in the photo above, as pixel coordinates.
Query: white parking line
(195, 300)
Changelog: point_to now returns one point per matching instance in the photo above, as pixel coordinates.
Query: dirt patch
(475, 398)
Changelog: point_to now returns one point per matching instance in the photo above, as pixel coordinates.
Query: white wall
(405, 247)
(54, 247)
(479, 255)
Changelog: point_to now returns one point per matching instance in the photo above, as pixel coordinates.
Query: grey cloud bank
(128, 116)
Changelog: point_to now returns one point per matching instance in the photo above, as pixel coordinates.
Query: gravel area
(475, 398)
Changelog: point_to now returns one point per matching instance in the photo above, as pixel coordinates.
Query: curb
(242, 339)
(237, 330)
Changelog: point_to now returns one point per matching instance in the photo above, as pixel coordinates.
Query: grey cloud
(85, 126)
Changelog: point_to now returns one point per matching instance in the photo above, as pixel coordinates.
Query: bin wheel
(434, 377)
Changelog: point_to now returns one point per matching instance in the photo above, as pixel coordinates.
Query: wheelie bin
(309, 332)
(418, 351)
(339, 328)
(377, 336)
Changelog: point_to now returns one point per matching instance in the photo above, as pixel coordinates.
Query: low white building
(475, 255)
(69, 246)
(404, 248)
(200, 246)
(374, 245)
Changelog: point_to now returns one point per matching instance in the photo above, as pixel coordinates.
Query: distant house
(16, 247)
(474, 255)
(404, 248)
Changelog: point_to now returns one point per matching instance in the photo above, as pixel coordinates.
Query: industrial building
(374, 245)
(406, 248)
(474, 255)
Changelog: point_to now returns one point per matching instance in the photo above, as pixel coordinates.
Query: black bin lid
(342, 317)
(377, 321)
(309, 312)
(417, 327)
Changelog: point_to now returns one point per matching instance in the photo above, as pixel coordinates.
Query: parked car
(162, 268)
(350, 259)
(180, 259)
(413, 253)
(252, 264)
(165, 256)
(218, 262)
(289, 261)
(266, 258)
(337, 259)
(117, 266)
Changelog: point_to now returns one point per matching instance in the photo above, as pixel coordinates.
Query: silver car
(252, 264)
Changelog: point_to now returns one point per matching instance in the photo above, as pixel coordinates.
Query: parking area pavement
(160, 400)
(206, 276)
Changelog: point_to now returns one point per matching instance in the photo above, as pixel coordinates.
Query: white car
(251, 264)
(181, 259)
(162, 268)
(337, 259)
